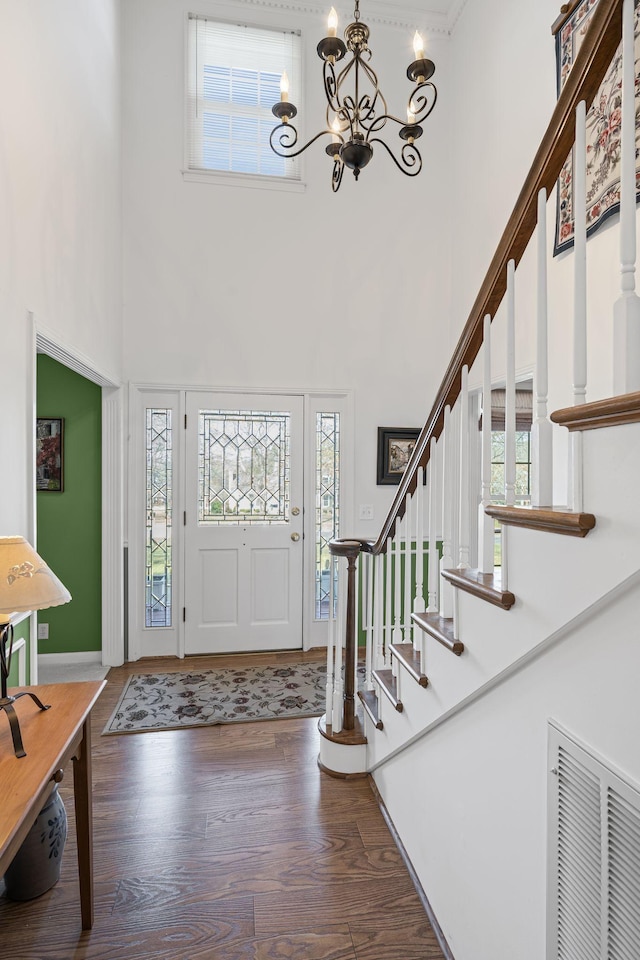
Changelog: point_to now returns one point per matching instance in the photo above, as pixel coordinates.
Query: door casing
(170, 641)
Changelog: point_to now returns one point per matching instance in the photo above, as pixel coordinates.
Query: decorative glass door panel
(244, 523)
(244, 466)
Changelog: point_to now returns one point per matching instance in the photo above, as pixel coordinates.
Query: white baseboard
(80, 656)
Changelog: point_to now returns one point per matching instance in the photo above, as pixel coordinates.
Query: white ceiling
(439, 16)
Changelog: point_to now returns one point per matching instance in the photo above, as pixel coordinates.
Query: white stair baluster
(434, 560)
(396, 636)
(388, 609)
(418, 603)
(541, 431)
(486, 525)
(454, 479)
(446, 563)
(580, 301)
(408, 568)
(464, 505)
(626, 311)
(510, 392)
(368, 561)
(378, 619)
(331, 641)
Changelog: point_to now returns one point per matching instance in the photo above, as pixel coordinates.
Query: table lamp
(26, 584)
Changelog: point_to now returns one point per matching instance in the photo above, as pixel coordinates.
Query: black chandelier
(354, 118)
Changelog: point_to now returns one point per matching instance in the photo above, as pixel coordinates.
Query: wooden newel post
(349, 549)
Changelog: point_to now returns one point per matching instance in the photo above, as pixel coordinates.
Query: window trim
(256, 181)
(224, 177)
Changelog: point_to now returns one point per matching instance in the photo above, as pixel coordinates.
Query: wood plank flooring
(224, 843)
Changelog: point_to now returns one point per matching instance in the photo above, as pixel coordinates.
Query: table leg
(84, 823)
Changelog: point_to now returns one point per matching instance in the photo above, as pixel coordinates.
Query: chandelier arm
(422, 107)
(336, 174)
(410, 157)
(373, 80)
(348, 112)
(333, 82)
(380, 121)
(367, 110)
(422, 110)
(289, 132)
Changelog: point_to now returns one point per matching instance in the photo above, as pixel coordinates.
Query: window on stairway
(523, 466)
(523, 419)
(233, 80)
(327, 501)
(159, 510)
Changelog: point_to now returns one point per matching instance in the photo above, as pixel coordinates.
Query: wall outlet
(366, 511)
(43, 631)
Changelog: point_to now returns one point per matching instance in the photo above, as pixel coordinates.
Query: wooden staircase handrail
(593, 59)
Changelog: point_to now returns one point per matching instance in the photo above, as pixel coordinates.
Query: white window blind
(233, 80)
(594, 857)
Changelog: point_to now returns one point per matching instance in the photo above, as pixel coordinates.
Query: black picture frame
(395, 446)
(50, 454)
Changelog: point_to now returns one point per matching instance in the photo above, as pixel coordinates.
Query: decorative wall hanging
(395, 446)
(603, 128)
(49, 453)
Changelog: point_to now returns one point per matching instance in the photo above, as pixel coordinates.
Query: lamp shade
(26, 582)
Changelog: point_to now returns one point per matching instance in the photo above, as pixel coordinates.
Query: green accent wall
(70, 522)
(21, 630)
(361, 632)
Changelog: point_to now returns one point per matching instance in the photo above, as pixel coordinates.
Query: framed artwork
(49, 454)
(395, 446)
(603, 129)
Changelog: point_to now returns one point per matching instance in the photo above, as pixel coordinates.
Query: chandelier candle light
(354, 118)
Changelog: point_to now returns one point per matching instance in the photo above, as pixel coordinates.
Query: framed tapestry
(603, 129)
(49, 454)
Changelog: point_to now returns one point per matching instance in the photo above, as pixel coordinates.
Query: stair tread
(487, 586)
(371, 706)
(570, 523)
(411, 661)
(610, 412)
(388, 685)
(441, 628)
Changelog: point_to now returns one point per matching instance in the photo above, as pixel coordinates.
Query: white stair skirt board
(341, 758)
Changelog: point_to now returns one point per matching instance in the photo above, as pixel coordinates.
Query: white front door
(244, 523)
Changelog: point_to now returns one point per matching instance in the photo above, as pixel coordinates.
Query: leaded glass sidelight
(243, 466)
(159, 508)
(327, 504)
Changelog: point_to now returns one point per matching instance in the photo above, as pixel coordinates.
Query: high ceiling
(437, 15)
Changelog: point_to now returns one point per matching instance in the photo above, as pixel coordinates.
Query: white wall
(59, 205)
(231, 286)
(478, 785)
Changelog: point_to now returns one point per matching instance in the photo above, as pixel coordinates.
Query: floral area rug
(167, 701)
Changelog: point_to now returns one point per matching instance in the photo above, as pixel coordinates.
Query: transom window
(233, 81)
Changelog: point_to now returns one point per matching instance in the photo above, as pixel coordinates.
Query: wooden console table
(51, 738)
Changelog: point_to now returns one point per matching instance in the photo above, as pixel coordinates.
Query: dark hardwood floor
(224, 843)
